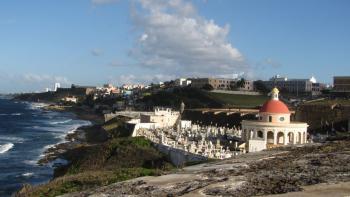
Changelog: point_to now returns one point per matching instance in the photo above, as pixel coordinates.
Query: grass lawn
(234, 100)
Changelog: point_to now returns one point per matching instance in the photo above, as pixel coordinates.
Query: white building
(70, 99)
(132, 86)
(160, 118)
(164, 117)
(273, 127)
(298, 86)
(57, 85)
(182, 82)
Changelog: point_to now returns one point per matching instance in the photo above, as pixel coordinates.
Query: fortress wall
(320, 117)
(221, 119)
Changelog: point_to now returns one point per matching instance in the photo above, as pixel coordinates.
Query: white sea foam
(61, 133)
(61, 122)
(12, 139)
(6, 147)
(30, 162)
(49, 146)
(12, 114)
(37, 105)
(28, 174)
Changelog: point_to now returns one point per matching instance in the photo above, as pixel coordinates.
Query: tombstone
(217, 143)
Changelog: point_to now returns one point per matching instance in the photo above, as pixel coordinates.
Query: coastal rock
(275, 171)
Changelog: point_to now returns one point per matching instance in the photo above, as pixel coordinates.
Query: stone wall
(179, 157)
(220, 119)
(237, 92)
(321, 117)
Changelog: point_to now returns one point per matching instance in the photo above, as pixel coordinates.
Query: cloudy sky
(91, 42)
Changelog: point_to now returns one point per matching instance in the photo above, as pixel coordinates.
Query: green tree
(260, 86)
(89, 100)
(240, 83)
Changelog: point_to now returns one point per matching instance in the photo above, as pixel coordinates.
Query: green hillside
(197, 98)
(234, 100)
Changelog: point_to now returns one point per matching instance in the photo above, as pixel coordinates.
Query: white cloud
(103, 2)
(29, 82)
(144, 79)
(47, 79)
(175, 39)
(96, 52)
(143, 37)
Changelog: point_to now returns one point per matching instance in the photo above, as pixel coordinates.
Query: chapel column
(265, 137)
(305, 140)
(295, 135)
(285, 136)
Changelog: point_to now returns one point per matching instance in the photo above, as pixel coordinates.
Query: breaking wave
(36, 105)
(28, 174)
(13, 114)
(6, 147)
(12, 139)
(61, 122)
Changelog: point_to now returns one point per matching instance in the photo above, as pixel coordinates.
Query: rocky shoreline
(72, 140)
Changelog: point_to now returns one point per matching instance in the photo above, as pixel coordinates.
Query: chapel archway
(270, 138)
(280, 138)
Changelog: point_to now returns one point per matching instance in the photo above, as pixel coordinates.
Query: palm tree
(241, 83)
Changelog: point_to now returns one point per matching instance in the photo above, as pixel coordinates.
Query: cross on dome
(274, 93)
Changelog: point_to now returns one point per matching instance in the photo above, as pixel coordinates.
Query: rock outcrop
(275, 171)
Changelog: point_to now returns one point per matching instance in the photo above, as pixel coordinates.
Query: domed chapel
(273, 127)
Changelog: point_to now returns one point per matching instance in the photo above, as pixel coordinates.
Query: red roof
(275, 106)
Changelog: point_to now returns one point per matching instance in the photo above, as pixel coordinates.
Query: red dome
(275, 106)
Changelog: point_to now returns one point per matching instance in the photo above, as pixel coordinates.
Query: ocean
(26, 131)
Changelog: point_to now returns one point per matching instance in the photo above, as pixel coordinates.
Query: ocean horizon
(26, 131)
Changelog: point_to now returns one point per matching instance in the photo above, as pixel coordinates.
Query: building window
(281, 119)
(270, 118)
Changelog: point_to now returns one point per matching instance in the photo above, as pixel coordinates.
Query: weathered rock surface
(276, 171)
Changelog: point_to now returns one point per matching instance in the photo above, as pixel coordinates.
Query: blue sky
(92, 42)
